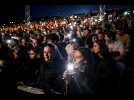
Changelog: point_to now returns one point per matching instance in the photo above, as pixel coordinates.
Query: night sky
(38, 11)
(60, 10)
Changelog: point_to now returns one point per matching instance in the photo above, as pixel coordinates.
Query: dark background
(17, 12)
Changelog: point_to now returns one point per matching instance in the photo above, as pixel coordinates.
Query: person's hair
(84, 52)
(93, 36)
(111, 35)
(100, 29)
(90, 39)
(53, 37)
(22, 38)
(87, 55)
(75, 45)
(106, 55)
(103, 48)
(4, 52)
(47, 45)
(30, 47)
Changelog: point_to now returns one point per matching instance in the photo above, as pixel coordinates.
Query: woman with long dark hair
(106, 73)
(50, 70)
(81, 79)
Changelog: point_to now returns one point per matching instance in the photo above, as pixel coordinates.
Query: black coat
(50, 75)
(106, 76)
(7, 79)
(31, 73)
(83, 41)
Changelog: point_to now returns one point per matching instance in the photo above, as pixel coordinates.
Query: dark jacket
(83, 41)
(31, 73)
(49, 75)
(106, 76)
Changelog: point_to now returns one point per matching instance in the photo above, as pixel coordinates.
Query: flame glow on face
(47, 53)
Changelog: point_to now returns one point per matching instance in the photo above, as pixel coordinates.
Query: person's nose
(46, 54)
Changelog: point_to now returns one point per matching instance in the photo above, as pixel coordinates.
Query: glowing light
(9, 41)
(44, 32)
(71, 27)
(75, 16)
(96, 20)
(74, 24)
(100, 18)
(74, 40)
(69, 35)
(126, 13)
(117, 17)
(70, 67)
(81, 25)
(85, 20)
(71, 17)
(63, 22)
(13, 37)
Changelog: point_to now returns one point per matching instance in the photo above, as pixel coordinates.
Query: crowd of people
(92, 56)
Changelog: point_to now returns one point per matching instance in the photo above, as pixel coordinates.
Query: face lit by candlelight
(47, 53)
